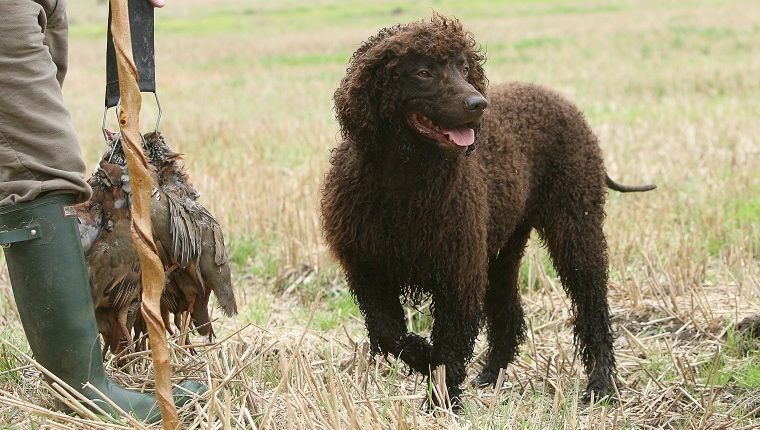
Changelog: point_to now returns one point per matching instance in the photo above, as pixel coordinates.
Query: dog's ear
(357, 103)
(366, 96)
(477, 76)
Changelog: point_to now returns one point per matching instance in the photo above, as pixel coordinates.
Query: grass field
(672, 89)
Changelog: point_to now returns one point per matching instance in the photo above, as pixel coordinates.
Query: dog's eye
(424, 74)
(465, 70)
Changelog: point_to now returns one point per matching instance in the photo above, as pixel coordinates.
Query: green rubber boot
(52, 292)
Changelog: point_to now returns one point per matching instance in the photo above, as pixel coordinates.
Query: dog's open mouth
(462, 136)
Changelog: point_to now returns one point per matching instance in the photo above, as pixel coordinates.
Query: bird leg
(171, 268)
(120, 342)
(185, 330)
(191, 304)
(167, 323)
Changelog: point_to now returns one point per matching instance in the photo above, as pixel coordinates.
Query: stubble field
(670, 87)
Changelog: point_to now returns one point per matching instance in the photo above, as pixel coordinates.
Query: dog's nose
(475, 103)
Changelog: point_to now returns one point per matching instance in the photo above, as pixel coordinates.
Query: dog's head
(425, 79)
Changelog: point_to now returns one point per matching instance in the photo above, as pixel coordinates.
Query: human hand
(157, 3)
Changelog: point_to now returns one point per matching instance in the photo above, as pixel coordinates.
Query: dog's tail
(628, 188)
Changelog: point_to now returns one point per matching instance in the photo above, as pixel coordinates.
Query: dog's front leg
(503, 309)
(455, 327)
(384, 318)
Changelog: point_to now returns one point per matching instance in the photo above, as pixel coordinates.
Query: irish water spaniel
(411, 209)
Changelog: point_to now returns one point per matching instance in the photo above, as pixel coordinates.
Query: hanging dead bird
(114, 269)
(189, 240)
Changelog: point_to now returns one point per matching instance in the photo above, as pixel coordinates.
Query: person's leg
(39, 149)
(57, 35)
(50, 284)
(41, 175)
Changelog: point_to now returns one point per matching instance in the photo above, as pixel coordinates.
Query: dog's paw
(417, 353)
(453, 401)
(486, 377)
(455, 397)
(599, 392)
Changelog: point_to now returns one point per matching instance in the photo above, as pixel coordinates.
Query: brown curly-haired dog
(411, 209)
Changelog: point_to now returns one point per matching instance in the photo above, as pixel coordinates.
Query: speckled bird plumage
(188, 238)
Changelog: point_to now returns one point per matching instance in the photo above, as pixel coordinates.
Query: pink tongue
(463, 136)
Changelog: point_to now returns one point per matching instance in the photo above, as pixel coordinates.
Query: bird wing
(185, 232)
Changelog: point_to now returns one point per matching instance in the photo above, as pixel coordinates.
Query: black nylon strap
(141, 25)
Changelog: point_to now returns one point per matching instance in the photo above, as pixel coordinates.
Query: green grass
(420, 317)
(742, 345)
(254, 255)
(747, 377)
(340, 309)
(258, 311)
(9, 366)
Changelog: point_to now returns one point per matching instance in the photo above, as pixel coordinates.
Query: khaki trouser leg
(39, 149)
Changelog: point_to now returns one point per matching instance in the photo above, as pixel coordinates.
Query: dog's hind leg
(503, 311)
(578, 249)
(386, 323)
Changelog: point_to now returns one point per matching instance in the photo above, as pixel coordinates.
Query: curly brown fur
(409, 209)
